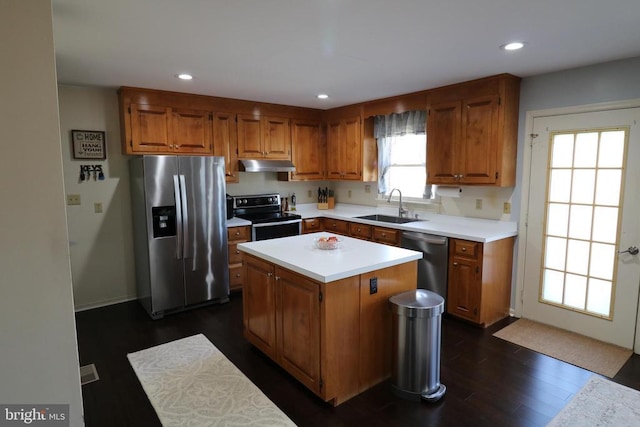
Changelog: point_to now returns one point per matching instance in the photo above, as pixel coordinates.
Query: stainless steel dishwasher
(433, 267)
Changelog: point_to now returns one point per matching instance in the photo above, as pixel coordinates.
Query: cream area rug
(596, 356)
(600, 403)
(191, 383)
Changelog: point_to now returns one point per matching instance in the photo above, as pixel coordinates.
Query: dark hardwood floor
(490, 382)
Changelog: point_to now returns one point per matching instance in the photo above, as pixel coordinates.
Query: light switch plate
(97, 207)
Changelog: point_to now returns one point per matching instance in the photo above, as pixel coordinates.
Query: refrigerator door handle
(176, 196)
(185, 218)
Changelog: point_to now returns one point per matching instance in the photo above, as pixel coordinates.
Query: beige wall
(101, 246)
(492, 203)
(38, 347)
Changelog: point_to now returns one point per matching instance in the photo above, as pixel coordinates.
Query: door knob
(633, 250)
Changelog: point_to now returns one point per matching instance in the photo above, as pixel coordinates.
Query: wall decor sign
(89, 144)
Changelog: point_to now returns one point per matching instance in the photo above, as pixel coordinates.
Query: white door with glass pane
(583, 208)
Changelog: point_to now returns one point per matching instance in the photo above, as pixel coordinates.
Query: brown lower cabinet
(360, 231)
(388, 236)
(311, 225)
(335, 338)
(479, 285)
(236, 235)
(337, 226)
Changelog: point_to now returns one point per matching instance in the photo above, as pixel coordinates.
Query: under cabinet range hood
(260, 165)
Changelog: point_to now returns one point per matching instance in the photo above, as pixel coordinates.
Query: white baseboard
(105, 303)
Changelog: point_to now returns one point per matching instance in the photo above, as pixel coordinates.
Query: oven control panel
(256, 201)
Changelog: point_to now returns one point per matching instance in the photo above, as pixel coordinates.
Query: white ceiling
(287, 51)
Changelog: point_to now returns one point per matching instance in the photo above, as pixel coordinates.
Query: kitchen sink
(389, 218)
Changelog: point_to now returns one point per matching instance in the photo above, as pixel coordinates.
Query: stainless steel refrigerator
(180, 232)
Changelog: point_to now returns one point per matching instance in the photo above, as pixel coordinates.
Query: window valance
(411, 122)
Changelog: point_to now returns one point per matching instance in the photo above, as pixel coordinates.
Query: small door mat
(596, 356)
(88, 374)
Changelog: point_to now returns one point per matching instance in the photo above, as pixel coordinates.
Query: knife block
(331, 203)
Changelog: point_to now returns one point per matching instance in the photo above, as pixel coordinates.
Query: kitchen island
(323, 315)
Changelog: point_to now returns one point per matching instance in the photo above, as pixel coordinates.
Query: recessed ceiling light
(185, 76)
(513, 46)
(323, 96)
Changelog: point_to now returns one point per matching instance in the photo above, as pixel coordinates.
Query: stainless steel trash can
(417, 318)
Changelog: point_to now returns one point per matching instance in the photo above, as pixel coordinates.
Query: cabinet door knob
(455, 264)
(464, 249)
(237, 274)
(237, 252)
(384, 234)
(237, 233)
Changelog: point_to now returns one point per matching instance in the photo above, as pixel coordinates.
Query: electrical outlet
(367, 188)
(478, 203)
(373, 285)
(97, 207)
(506, 208)
(73, 199)
(309, 193)
(349, 194)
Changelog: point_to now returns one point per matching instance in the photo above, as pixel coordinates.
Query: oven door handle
(271, 224)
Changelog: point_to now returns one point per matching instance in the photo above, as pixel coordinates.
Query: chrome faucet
(401, 211)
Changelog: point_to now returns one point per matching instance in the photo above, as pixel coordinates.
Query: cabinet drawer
(466, 249)
(239, 233)
(311, 225)
(386, 235)
(336, 226)
(236, 277)
(235, 256)
(360, 230)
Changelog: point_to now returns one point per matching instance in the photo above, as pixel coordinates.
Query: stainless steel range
(267, 219)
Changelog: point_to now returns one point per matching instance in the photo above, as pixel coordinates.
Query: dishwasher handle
(427, 238)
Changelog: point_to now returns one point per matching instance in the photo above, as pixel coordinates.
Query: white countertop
(237, 222)
(477, 230)
(353, 257)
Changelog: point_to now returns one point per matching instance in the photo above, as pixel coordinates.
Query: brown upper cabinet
(351, 149)
(307, 152)
(472, 132)
(161, 122)
(344, 148)
(226, 143)
(160, 129)
(263, 137)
